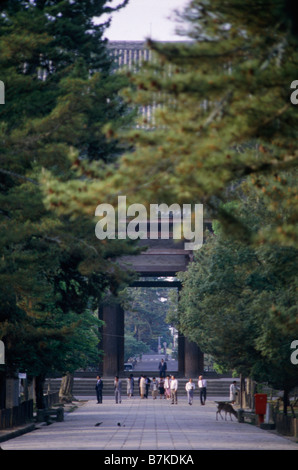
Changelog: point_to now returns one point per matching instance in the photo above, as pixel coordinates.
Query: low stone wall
(16, 416)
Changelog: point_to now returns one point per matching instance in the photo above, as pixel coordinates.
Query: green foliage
(223, 133)
(146, 312)
(59, 95)
(133, 347)
(239, 302)
(221, 112)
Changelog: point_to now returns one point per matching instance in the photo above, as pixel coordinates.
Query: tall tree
(59, 93)
(221, 111)
(239, 302)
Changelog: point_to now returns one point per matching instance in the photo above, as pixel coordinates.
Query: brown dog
(227, 408)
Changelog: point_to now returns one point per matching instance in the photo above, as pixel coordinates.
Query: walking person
(190, 387)
(117, 389)
(174, 390)
(202, 384)
(130, 385)
(233, 392)
(147, 385)
(142, 386)
(161, 387)
(98, 388)
(154, 388)
(167, 386)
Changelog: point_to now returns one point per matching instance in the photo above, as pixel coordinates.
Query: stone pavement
(147, 424)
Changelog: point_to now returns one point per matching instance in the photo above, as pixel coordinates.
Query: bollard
(240, 415)
(60, 414)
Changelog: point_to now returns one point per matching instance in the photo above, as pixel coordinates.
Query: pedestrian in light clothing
(202, 384)
(167, 387)
(98, 388)
(154, 388)
(174, 390)
(190, 387)
(142, 386)
(233, 391)
(130, 385)
(117, 389)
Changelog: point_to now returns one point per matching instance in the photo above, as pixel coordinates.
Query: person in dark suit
(98, 388)
(162, 369)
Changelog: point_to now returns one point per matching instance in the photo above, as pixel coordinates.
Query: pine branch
(17, 175)
(225, 100)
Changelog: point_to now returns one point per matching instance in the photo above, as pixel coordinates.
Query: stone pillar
(112, 342)
(193, 360)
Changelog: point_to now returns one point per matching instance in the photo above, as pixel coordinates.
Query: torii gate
(162, 258)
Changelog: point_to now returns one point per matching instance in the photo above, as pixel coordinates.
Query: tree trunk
(39, 382)
(66, 387)
(285, 402)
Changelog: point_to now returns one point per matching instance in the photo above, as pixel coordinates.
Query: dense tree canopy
(222, 112)
(222, 133)
(60, 92)
(239, 302)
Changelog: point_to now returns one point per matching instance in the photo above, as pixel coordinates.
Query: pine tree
(59, 93)
(222, 113)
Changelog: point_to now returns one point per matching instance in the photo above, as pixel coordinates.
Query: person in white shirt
(233, 391)
(142, 386)
(189, 387)
(202, 384)
(167, 387)
(174, 388)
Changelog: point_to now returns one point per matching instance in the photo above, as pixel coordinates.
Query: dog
(227, 408)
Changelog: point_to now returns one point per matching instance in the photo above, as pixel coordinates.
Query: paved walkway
(157, 425)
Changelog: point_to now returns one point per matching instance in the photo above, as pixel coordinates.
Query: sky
(141, 19)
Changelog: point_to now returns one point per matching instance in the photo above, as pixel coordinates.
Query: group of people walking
(164, 387)
(202, 386)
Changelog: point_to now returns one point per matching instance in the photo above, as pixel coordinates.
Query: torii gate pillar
(111, 312)
(190, 358)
